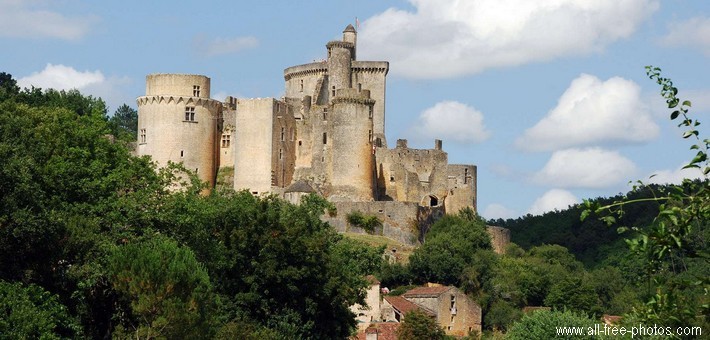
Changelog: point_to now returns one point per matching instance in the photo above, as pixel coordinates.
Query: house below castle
(325, 136)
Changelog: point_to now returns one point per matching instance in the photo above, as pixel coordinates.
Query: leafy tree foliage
(450, 247)
(542, 324)
(417, 325)
(32, 312)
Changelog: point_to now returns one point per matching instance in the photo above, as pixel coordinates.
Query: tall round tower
(339, 65)
(352, 168)
(177, 121)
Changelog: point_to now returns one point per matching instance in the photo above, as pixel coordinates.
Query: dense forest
(98, 243)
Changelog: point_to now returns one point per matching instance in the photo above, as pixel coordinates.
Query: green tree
(450, 247)
(32, 312)
(125, 121)
(8, 86)
(542, 324)
(169, 290)
(416, 325)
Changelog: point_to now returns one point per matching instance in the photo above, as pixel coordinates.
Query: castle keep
(326, 135)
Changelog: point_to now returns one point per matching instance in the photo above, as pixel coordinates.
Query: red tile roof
(419, 291)
(404, 306)
(385, 331)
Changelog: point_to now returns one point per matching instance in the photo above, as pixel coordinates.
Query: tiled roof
(419, 291)
(385, 331)
(404, 306)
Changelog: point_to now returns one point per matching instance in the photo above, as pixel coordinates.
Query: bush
(543, 324)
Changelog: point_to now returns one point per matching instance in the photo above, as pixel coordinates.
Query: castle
(325, 136)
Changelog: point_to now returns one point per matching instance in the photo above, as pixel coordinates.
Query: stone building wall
(253, 147)
(177, 122)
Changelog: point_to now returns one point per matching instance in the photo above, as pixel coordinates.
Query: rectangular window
(369, 138)
(226, 140)
(196, 90)
(283, 134)
(281, 153)
(142, 136)
(301, 85)
(333, 91)
(369, 113)
(190, 113)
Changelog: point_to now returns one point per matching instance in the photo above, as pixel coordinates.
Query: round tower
(339, 65)
(177, 121)
(350, 36)
(352, 168)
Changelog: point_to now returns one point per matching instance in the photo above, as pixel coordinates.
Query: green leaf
(686, 103)
(675, 114)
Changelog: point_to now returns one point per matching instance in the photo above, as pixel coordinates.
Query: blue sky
(548, 98)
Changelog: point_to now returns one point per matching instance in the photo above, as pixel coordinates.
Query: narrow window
(182, 153)
(369, 112)
(190, 113)
(325, 113)
(333, 91)
(283, 134)
(196, 90)
(359, 87)
(301, 85)
(142, 137)
(281, 153)
(325, 137)
(291, 134)
(226, 140)
(465, 176)
(369, 133)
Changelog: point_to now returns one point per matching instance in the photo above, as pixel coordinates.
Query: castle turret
(352, 167)
(177, 121)
(350, 36)
(340, 57)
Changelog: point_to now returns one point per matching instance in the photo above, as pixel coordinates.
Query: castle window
(465, 176)
(291, 134)
(325, 137)
(182, 153)
(369, 113)
(333, 90)
(281, 153)
(196, 90)
(359, 87)
(301, 85)
(283, 134)
(142, 137)
(190, 113)
(226, 140)
(300, 143)
(369, 137)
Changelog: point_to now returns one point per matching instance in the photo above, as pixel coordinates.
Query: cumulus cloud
(693, 33)
(555, 199)
(496, 211)
(60, 77)
(585, 168)
(590, 112)
(449, 38)
(675, 176)
(23, 19)
(451, 120)
(221, 46)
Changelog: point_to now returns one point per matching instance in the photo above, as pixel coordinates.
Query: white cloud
(451, 120)
(585, 168)
(675, 176)
(592, 111)
(555, 199)
(60, 77)
(22, 19)
(496, 211)
(450, 38)
(221, 46)
(693, 33)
